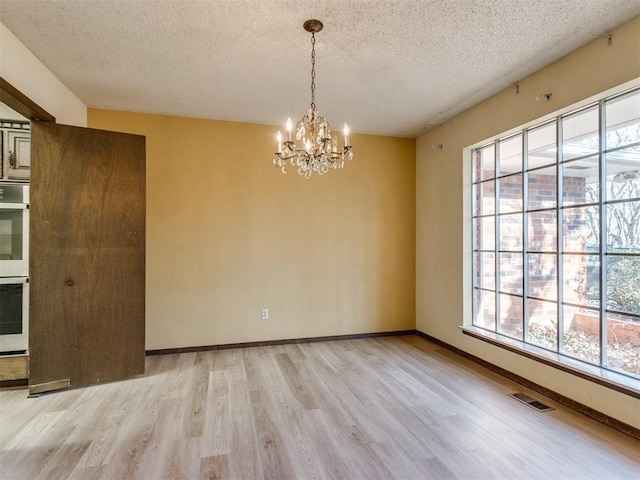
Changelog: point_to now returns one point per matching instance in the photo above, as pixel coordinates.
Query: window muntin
(576, 294)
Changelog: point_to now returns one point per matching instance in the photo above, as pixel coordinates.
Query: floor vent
(533, 403)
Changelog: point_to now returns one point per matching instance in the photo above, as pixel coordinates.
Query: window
(556, 234)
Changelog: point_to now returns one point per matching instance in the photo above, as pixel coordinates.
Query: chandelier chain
(313, 70)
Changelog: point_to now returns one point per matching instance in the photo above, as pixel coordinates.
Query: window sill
(615, 381)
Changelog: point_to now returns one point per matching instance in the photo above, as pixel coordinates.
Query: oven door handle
(14, 206)
(13, 280)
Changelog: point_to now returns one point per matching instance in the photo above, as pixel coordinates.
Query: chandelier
(317, 150)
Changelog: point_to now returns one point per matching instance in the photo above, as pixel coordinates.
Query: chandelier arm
(297, 153)
(301, 152)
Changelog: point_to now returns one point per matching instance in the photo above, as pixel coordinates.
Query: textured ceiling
(394, 67)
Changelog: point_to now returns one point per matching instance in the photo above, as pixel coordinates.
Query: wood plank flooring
(383, 408)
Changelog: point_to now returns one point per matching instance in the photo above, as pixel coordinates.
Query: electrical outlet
(265, 314)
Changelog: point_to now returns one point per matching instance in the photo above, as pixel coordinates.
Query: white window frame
(554, 355)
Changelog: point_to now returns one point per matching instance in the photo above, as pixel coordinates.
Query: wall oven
(14, 314)
(14, 268)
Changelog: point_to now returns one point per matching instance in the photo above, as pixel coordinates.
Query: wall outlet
(264, 314)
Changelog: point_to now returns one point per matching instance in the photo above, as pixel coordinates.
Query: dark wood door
(87, 256)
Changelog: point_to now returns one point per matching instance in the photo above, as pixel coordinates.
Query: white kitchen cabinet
(16, 150)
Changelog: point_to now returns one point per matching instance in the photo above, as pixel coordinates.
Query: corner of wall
(24, 71)
(443, 236)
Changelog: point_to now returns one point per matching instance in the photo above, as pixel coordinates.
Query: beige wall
(228, 234)
(443, 205)
(24, 71)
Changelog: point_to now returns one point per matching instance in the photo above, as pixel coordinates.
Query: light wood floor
(393, 407)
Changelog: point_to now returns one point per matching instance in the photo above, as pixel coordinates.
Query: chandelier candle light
(318, 150)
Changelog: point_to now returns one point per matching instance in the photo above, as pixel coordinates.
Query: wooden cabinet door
(19, 154)
(87, 256)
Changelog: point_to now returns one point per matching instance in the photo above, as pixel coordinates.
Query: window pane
(485, 233)
(486, 270)
(542, 188)
(511, 273)
(543, 324)
(543, 275)
(484, 197)
(581, 333)
(542, 145)
(484, 160)
(511, 193)
(510, 232)
(581, 279)
(623, 343)
(485, 310)
(623, 284)
(581, 229)
(580, 134)
(542, 231)
(623, 120)
(510, 155)
(580, 181)
(623, 227)
(623, 174)
(511, 320)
